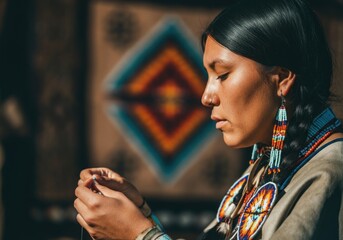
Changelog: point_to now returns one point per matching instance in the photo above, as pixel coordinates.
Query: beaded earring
(279, 134)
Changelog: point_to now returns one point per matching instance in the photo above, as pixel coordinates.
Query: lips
(219, 122)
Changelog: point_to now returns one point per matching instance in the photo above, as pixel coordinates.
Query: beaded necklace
(247, 204)
(321, 128)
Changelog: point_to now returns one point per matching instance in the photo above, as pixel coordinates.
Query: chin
(229, 140)
(234, 142)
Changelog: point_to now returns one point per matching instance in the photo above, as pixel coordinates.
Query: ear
(286, 81)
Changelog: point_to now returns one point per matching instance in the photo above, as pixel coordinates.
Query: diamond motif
(156, 98)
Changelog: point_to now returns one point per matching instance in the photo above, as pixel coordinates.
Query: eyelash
(223, 76)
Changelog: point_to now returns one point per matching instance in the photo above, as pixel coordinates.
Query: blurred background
(88, 83)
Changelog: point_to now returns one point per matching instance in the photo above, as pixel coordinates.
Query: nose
(209, 97)
(206, 100)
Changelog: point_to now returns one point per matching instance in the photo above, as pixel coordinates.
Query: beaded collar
(322, 127)
(324, 124)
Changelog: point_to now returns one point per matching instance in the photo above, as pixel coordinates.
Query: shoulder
(327, 159)
(326, 165)
(316, 186)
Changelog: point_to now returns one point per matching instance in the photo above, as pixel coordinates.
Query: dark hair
(284, 33)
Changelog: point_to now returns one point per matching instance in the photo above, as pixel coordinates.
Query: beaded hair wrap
(256, 153)
(279, 134)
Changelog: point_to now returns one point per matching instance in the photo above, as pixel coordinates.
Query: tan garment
(312, 204)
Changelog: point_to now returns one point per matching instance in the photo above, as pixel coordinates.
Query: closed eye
(223, 76)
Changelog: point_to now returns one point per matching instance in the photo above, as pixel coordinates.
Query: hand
(110, 215)
(114, 181)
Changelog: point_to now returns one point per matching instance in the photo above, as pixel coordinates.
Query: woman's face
(242, 95)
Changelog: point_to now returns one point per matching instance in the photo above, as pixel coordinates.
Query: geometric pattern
(156, 92)
(256, 211)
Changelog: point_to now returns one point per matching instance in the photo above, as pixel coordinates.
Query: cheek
(251, 110)
(260, 114)
(259, 105)
(241, 97)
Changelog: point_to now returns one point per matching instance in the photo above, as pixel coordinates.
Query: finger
(115, 183)
(89, 183)
(86, 183)
(88, 172)
(107, 192)
(80, 182)
(99, 171)
(87, 196)
(80, 206)
(94, 185)
(121, 185)
(85, 226)
(82, 222)
(82, 210)
(85, 173)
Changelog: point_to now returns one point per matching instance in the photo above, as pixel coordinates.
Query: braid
(296, 136)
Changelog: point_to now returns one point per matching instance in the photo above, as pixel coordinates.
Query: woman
(269, 74)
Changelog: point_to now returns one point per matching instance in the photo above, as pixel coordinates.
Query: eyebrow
(215, 62)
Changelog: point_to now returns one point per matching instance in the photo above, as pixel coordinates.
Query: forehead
(217, 57)
(216, 54)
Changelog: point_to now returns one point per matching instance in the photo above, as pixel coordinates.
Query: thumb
(121, 185)
(103, 190)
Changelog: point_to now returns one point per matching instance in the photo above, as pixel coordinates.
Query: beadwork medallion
(230, 195)
(256, 211)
